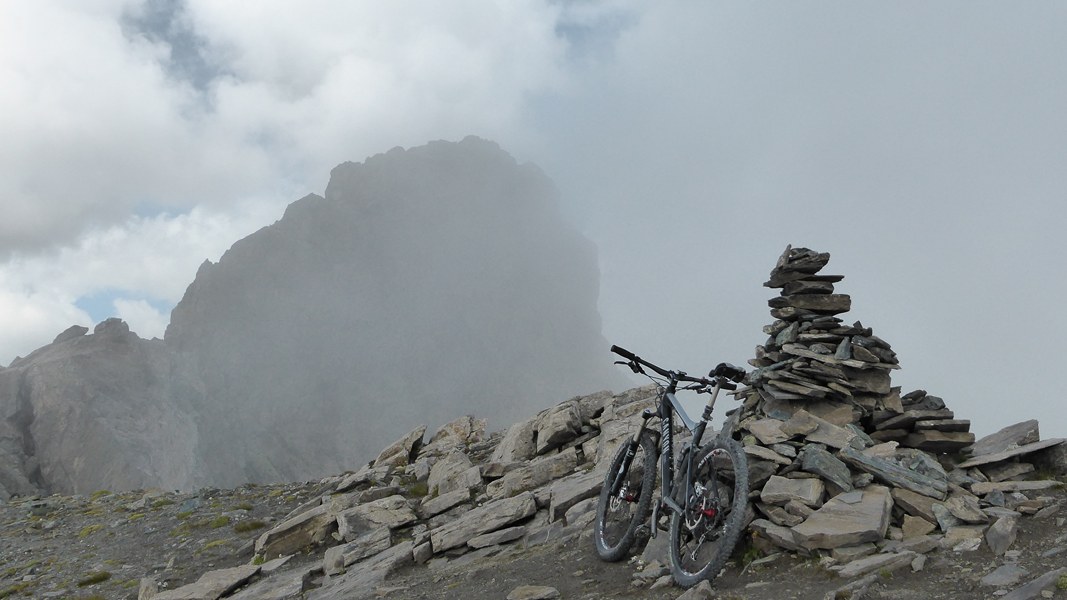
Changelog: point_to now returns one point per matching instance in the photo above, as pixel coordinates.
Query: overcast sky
(921, 144)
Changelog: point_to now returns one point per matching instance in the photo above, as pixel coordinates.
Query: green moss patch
(93, 578)
(246, 526)
(89, 530)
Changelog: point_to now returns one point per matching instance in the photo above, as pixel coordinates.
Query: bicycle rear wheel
(619, 515)
(704, 534)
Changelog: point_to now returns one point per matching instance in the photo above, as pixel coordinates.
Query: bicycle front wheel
(619, 514)
(704, 534)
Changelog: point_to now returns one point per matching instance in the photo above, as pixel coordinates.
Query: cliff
(426, 284)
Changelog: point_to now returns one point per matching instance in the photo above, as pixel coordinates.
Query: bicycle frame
(667, 406)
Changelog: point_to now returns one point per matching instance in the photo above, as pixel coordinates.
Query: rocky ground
(102, 546)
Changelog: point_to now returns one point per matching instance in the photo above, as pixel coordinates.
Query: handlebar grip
(623, 352)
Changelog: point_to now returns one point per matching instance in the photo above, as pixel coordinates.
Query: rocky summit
(850, 498)
(426, 284)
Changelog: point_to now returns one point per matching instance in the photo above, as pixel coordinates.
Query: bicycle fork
(617, 484)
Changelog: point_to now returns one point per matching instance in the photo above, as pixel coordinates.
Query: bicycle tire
(724, 460)
(617, 519)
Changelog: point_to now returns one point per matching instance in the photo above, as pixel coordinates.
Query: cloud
(139, 266)
(30, 319)
(142, 317)
(111, 106)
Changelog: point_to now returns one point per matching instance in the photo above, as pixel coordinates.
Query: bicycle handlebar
(724, 370)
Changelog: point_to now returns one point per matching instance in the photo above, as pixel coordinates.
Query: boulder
(915, 504)
(1004, 576)
(533, 474)
(391, 512)
(767, 431)
(457, 434)
(518, 444)
(1010, 453)
(363, 581)
(965, 508)
(288, 585)
(292, 535)
(1008, 438)
(780, 490)
(485, 518)
(558, 425)
(818, 431)
(435, 505)
(402, 451)
(783, 537)
(883, 563)
(211, 585)
(894, 474)
(1035, 587)
(1001, 535)
(533, 592)
(846, 519)
(572, 489)
(454, 471)
(367, 542)
(820, 462)
(494, 538)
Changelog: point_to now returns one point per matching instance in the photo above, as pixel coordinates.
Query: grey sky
(921, 144)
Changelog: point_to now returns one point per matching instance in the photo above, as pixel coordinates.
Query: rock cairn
(813, 361)
(841, 461)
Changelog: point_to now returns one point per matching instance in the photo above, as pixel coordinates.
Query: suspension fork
(631, 452)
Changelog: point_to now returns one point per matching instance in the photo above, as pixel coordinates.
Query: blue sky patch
(101, 305)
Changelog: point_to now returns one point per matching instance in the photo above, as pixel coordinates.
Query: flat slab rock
(481, 520)
(533, 592)
(1012, 436)
(983, 487)
(1034, 588)
(211, 585)
(877, 562)
(847, 519)
(1006, 454)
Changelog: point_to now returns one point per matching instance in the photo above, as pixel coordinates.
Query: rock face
(425, 284)
(105, 410)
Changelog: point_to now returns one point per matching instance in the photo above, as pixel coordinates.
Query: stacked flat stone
(922, 422)
(832, 445)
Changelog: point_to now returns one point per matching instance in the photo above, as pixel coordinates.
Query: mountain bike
(706, 493)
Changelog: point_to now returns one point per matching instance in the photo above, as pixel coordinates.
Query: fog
(919, 144)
